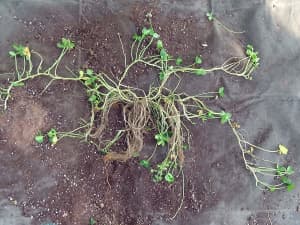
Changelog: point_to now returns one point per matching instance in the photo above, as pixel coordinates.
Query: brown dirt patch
(24, 119)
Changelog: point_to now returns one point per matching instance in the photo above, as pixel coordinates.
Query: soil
(69, 183)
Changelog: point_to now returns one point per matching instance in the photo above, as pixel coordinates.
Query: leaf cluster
(66, 44)
(162, 138)
(146, 32)
(253, 55)
(51, 134)
(162, 172)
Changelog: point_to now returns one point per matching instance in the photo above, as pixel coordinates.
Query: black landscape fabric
(70, 183)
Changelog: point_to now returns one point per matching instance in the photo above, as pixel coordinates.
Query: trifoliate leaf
(19, 49)
(162, 75)
(280, 170)
(169, 178)
(155, 35)
(178, 61)
(66, 44)
(198, 60)
(137, 37)
(221, 92)
(163, 54)
(290, 187)
(145, 163)
(53, 140)
(92, 221)
(92, 98)
(162, 138)
(286, 180)
(289, 170)
(159, 44)
(91, 80)
(250, 48)
(52, 133)
(89, 72)
(39, 138)
(210, 16)
(225, 117)
(146, 31)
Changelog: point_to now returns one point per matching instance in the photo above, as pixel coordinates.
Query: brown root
(104, 121)
(136, 116)
(176, 140)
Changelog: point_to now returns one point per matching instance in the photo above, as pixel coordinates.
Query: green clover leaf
(89, 72)
(92, 221)
(221, 91)
(210, 16)
(66, 44)
(225, 117)
(290, 187)
(137, 37)
(178, 61)
(289, 170)
(162, 138)
(53, 140)
(162, 75)
(169, 178)
(198, 60)
(155, 36)
(52, 133)
(145, 163)
(286, 180)
(39, 138)
(164, 55)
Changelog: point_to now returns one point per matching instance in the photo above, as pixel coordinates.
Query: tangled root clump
(137, 114)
